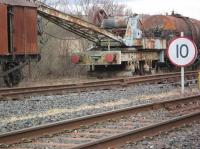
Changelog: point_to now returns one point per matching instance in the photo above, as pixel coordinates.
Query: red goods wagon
(18, 40)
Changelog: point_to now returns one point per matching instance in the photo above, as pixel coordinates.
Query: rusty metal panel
(18, 33)
(139, 55)
(25, 30)
(115, 22)
(30, 26)
(133, 32)
(97, 57)
(172, 26)
(18, 3)
(3, 30)
(152, 43)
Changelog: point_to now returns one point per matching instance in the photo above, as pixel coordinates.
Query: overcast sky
(190, 8)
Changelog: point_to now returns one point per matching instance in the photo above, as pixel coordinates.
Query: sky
(190, 8)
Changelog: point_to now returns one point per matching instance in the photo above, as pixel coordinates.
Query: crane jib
(78, 26)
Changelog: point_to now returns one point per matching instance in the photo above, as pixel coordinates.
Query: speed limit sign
(182, 52)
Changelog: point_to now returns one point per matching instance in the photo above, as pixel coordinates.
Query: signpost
(182, 52)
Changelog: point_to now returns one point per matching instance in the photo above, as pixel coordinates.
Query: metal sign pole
(182, 80)
(182, 74)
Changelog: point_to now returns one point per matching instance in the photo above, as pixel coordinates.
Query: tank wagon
(18, 40)
(144, 40)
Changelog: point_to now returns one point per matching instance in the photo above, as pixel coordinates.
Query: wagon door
(3, 30)
(25, 30)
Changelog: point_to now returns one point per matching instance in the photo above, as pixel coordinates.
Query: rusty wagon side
(18, 40)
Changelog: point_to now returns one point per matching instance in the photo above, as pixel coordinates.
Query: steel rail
(17, 136)
(141, 133)
(120, 79)
(93, 85)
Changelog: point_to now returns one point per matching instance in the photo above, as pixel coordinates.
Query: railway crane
(133, 43)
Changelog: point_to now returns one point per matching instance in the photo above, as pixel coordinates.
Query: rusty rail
(93, 85)
(18, 136)
(141, 133)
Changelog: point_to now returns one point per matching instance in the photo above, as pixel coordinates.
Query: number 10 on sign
(182, 51)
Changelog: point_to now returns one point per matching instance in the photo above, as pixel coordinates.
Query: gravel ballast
(187, 137)
(39, 110)
(100, 130)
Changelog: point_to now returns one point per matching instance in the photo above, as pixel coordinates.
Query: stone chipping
(15, 115)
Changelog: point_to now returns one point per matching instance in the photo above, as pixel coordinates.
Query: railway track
(15, 93)
(110, 129)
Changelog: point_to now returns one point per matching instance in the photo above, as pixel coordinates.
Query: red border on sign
(196, 51)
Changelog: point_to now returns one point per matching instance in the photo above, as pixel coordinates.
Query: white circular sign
(182, 51)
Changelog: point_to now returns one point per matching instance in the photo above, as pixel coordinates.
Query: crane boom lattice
(77, 26)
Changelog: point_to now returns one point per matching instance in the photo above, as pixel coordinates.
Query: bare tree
(84, 7)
